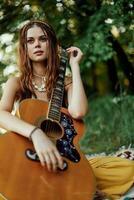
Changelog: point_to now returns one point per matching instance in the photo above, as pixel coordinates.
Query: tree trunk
(124, 62)
(112, 74)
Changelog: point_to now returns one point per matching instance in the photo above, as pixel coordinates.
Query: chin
(39, 59)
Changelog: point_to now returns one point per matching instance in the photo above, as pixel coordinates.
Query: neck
(39, 68)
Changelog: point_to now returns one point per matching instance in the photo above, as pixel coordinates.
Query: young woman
(38, 58)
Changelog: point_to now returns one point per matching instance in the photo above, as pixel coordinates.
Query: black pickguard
(65, 144)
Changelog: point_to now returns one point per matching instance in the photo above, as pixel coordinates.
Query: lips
(38, 52)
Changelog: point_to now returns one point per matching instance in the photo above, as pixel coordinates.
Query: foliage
(86, 24)
(109, 124)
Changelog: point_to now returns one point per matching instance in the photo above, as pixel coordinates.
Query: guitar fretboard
(58, 91)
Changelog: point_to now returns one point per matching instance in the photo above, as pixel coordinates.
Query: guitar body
(24, 179)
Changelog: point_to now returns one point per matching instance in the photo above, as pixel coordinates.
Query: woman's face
(37, 44)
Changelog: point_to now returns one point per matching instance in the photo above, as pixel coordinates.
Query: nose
(37, 43)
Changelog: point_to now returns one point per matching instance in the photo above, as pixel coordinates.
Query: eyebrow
(39, 36)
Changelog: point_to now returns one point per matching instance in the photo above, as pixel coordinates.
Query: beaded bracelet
(30, 135)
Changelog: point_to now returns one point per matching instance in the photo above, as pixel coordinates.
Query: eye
(43, 38)
(30, 41)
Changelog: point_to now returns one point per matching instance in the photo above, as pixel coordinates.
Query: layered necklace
(41, 87)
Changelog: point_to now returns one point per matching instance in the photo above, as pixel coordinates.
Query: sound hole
(51, 128)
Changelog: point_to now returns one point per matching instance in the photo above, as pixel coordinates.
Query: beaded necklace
(42, 86)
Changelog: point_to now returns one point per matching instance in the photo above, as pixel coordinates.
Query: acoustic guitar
(21, 175)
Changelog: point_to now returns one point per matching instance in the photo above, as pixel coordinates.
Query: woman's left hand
(75, 55)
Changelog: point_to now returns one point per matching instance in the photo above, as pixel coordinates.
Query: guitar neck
(56, 100)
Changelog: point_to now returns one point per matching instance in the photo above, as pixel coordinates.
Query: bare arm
(45, 149)
(7, 120)
(78, 104)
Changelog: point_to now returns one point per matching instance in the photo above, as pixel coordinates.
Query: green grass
(109, 124)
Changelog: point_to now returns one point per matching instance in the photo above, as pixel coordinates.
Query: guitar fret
(59, 89)
(61, 76)
(56, 97)
(56, 101)
(56, 104)
(54, 109)
(62, 68)
(59, 83)
(53, 114)
(54, 117)
(64, 61)
(59, 100)
(58, 93)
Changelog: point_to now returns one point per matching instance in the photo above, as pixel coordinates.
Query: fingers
(41, 158)
(74, 51)
(47, 160)
(70, 49)
(59, 159)
(51, 159)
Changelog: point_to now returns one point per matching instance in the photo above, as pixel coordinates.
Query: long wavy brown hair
(25, 64)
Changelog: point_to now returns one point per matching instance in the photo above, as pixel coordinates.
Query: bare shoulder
(13, 82)
(9, 94)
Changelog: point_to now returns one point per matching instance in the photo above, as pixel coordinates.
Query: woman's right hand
(47, 151)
